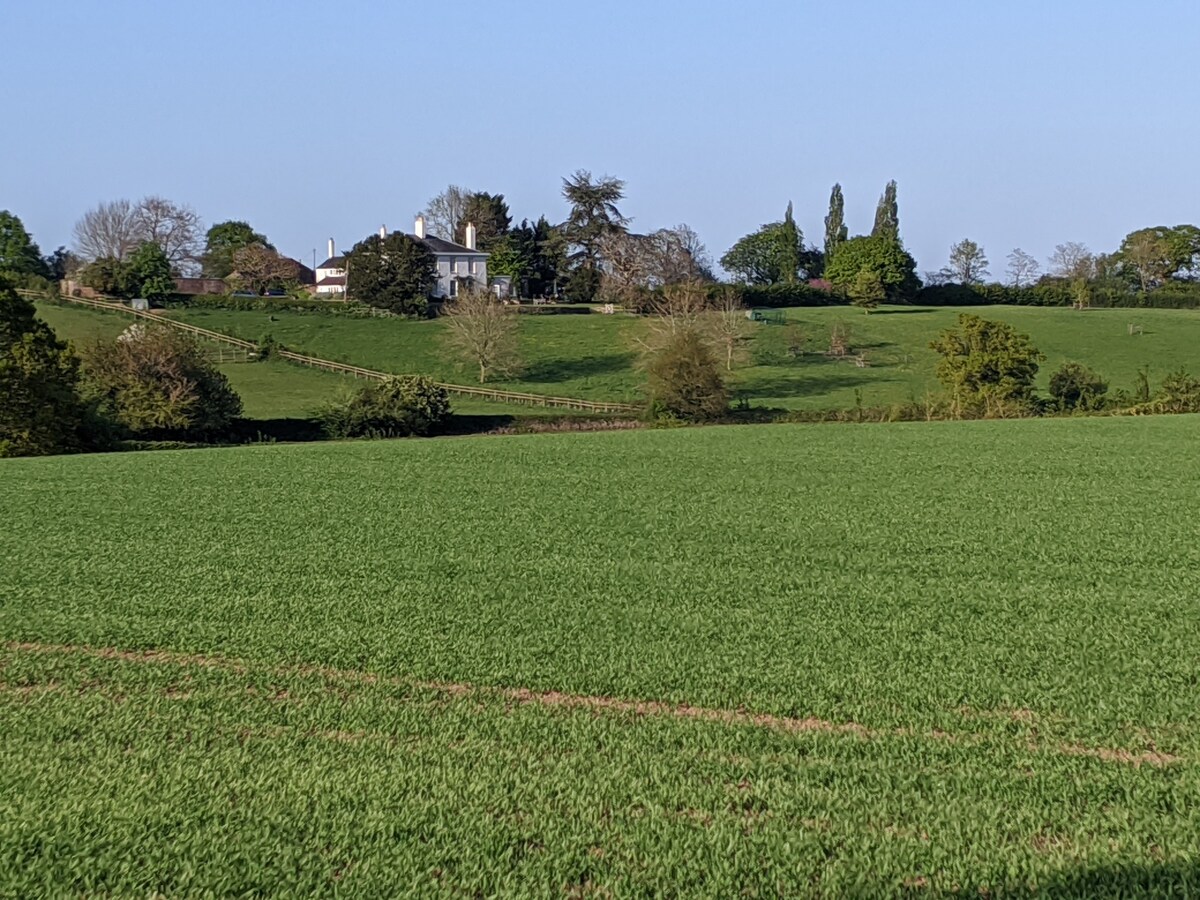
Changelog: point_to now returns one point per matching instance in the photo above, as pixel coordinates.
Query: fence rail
(518, 397)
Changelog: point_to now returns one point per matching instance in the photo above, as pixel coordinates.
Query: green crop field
(591, 356)
(800, 660)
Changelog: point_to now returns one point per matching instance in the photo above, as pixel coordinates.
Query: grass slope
(590, 356)
(963, 652)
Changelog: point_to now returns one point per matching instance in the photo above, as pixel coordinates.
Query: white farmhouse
(458, 265)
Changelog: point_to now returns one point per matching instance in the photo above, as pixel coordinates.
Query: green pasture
(593, 356)
(800, 660)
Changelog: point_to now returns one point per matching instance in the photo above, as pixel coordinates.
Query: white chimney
(330, 256)
(382, 231)
(419, 227)
(470, 232)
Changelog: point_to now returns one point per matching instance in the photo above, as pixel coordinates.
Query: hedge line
(1058, 292)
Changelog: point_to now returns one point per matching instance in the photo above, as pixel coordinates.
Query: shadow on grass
(551, 370)
(810, 382)
(1116, 880)
(901, 311)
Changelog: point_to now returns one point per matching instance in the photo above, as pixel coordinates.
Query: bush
(1179, 393)
(685, 380)
(156, 383)
(403, 406)
(987, 367)
(1075, 386)
(272, 304)
(1105, 293)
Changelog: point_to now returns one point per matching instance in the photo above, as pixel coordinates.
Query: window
(453, 288)
(474, 267)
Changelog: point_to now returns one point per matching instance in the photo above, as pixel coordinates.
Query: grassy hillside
(591, 356)
(874, 659)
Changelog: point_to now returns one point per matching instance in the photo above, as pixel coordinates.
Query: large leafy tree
(774, 254)
(225, 239)
(40, 408)
(881, 255)
(19, 255)
(148, 273)
(988, 367)
(1153, 255)
(489, 214)
(396, 273)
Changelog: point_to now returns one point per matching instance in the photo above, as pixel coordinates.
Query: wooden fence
(481, 393)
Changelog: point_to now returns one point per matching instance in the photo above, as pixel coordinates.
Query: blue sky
(1015, 123)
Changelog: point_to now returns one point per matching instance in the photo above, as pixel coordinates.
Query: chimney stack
(330, 256)
(470, 233)
(382, 231)
(419, 227)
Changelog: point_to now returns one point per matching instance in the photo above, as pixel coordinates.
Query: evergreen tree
(791, 245)
(887, 214)
(19, 255)
(835, 223)
(396, 272)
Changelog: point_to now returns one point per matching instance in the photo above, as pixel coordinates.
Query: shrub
(156, 383)
(1075, 386)
(685, 379)
(1179, 393)
(987, 367)
(403, 406)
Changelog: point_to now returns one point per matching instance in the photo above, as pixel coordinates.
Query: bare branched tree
(176, 228)
(729, 327)
(482, 331)
(968, 263)
(633, 263)
(258, 268)
(107, 230)
(444, 213)
(1023, 269)
(1072, 260)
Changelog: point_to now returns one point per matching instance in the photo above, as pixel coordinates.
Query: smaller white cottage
(331, 274)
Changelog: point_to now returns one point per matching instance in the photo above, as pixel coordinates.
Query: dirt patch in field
(599, 704)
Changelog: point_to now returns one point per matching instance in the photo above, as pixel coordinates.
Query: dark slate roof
(437, 245)
(334, 280)
(334, 262)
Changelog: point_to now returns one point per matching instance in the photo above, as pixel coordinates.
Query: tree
(19, 255)
(60, 264)
(594, 216)
(147, 273)
(987, 366)
(1023, 269)
(157, 382)
(482, 331)
(109, 230)
(867, 291)
(774, 254)
(259, 269)
(489, 214)
(174, 227)
(729, 327)
(1071, 260)
(222, 241)
(835, 223)
(396, 272)
(1075, 386)
(40, 411)
(638, 262)
(444, 213)
(887, 214)
(968, 263)
(106, 275)
(884, 256)
(1154, 255)
(685, 379)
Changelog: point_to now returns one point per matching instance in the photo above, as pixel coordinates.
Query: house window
(453, 288)
(474, 267)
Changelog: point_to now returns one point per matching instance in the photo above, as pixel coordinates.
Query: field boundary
(499, 396)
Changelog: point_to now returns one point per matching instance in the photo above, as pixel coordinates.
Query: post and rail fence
(481, 393)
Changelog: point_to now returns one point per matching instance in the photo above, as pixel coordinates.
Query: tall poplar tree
(835, 223)
(887, 214)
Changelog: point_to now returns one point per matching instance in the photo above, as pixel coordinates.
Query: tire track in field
(595, 703)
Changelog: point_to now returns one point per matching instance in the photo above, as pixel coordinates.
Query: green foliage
(685, 379)
(836, 232)
(222, 241)
(867, 291)
(1051, 291)
(40, 408)
(772, 255)
(404, 406)
(156, 382)
(489, 214)
(19, 255)
(1179, 393)
(147, 273)
(887, 215)
(1075, 386)
(396, 273)
(880, 255)
(987, 367)
(356, 653)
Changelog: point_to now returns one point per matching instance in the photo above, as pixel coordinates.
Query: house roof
(438, 245)
(332, 281)
(334, 262)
